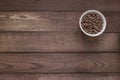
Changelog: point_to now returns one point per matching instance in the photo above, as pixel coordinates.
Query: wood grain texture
(51, 21)
(59, 62)
(57, 42)
(86, 76)
(41, 40)
(60, 5)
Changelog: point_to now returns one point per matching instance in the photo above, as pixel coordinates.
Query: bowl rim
(104, 23)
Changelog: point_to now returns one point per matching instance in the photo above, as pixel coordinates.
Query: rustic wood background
(41, 40)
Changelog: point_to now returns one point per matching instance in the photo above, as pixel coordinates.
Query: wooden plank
(57, 42)
(51, 21)
(58, 5)
(59, 62)
(109, 76)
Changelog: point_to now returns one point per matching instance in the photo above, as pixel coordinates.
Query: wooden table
(41, 40)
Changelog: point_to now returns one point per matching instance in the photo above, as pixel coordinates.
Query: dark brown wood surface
(57, 42)
(51, 21)
(41, 40)
(84, 76)
(60, 5)
(59, 62)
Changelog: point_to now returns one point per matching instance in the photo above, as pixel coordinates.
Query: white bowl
(104, 23)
